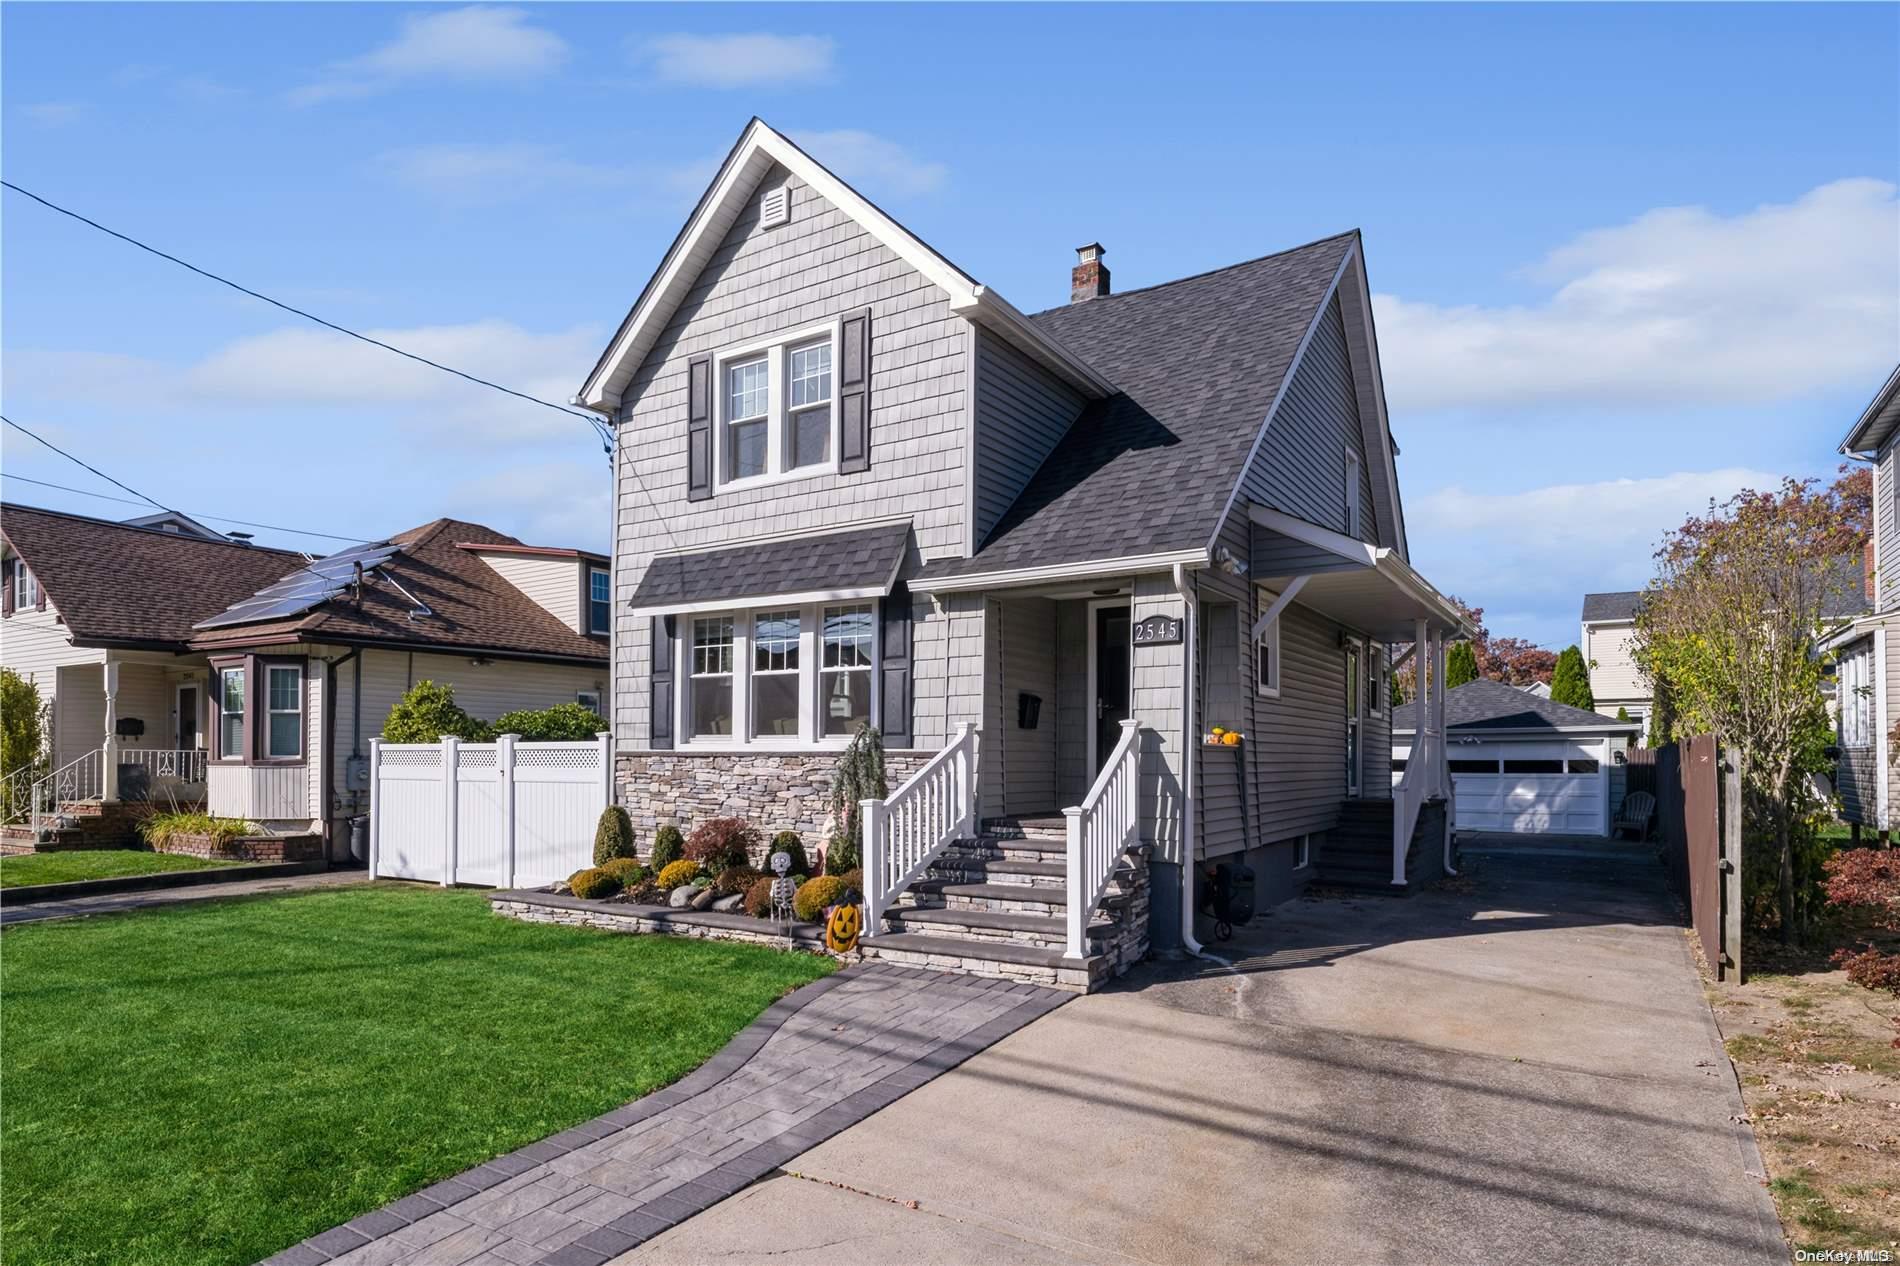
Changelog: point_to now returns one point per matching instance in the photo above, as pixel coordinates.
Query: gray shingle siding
(1021, 412)
(759, 283)
(1020, 765)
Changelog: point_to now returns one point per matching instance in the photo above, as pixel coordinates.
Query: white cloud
(873, 163)
(477, 172)
(55, 113)
(739, 61)
(1678, 306)
(472, 43)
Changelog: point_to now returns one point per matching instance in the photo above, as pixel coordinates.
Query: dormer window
(777, 409)
(600, 595)
(26, 589)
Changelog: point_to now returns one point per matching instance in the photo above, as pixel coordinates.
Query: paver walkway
(816, 1062)
(119, 901)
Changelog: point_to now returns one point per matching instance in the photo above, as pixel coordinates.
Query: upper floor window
(26, 588)
(778, 408)
(600, 594)
(1266, 660)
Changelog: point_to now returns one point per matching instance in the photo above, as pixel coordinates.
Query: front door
(1112, 649)
(1355, 705)
(188, 718)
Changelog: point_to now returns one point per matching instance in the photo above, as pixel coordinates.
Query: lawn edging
(531, 906)
(33, 894)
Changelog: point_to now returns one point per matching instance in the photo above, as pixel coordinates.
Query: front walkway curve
(816, 1062)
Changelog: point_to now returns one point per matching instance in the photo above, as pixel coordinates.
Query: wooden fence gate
(1699, 818)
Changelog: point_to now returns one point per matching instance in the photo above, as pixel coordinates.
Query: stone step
(1045, 828)
(1031, 964)
(1037, 874)
(1011, 848)
(990, 925)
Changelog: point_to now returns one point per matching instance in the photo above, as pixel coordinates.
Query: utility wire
(94, 469)
(601, 431)
(194, 514)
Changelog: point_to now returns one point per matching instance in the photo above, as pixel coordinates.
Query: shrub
(854, 880)
(562, 723)
(719, 844)
(613, 836)
(673, 874)
(787, 842)
(668, 847)
(22, 735)
(735, 879)
(859, 777)
(593, 884)
(1570, 681)
(814, 895)
(1461, 665)
(427, 713)
(625, 869)
(758, 898)
(162, 829)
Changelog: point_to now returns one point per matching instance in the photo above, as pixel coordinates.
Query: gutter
(1189, 748)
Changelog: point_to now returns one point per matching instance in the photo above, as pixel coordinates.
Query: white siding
(79, 712)
(1615, 680)
(555, 584)
(34, 644)
(275, 795)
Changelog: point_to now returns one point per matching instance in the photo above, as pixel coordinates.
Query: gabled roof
(1878, 421)
(126, 584)
(470, 606)
(1198, 365)
(757, 151)
(1492, 705)
(1620, 605)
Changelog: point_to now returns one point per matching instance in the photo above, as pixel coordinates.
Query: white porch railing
(83, 778)
(16, 790)
(1102, 828)
(184, 764)
(934, 808)
(1426, 773)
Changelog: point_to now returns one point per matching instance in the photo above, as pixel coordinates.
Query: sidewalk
(116, 903)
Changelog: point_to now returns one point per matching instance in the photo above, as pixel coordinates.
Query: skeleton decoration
(783, 890)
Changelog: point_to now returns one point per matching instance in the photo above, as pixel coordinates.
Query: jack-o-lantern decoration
(842, 928)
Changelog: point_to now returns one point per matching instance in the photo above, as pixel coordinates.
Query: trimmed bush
(814, 895)
(758, 898)
(613, 835)
(854, 880)
(719, 844)
(625, 869)
(673, 874)
(668, 847)
(427, 713)
(787, 842)
(562, 723)
(592, 884)
(734, 879)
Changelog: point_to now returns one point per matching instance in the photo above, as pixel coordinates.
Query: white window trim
(26, 587)
(269, 712)
(1351, 491)
(592, 572)
(1270, 638)
(777, 352)
(220, 712)
(582, 697)
(1856, 701)
(810, 652)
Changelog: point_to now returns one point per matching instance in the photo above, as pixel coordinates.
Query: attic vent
(776, 208)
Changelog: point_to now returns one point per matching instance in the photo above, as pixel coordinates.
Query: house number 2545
(1158, 630)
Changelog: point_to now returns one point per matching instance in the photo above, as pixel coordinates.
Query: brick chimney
(1090, 279)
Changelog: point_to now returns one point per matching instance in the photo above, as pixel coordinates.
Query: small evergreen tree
(669, 846)
(1396, 689)
(613, 837)
(1461, 665)
(1570, 681)
(860, 776)
(427, 713)
(1622, 713)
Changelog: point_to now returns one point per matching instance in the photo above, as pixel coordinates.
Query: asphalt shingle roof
(1196, 364)
(1611, 606)
(1492, 705)
(856, 559)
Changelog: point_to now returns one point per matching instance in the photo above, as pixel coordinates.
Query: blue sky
(1626, 257)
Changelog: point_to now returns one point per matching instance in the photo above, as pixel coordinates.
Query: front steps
(79, 825)
(1357, 853)
(997, 906)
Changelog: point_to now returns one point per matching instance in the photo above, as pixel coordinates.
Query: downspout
(1189, 741)
(326, 775)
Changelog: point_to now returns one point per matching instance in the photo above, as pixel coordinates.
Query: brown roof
(470, 606)
(118, 583)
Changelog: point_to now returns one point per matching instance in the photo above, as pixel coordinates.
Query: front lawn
(211, 1083)
(103, 863)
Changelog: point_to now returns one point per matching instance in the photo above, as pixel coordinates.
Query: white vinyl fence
(505, 814)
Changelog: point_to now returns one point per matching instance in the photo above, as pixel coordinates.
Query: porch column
(1440, 753)
(110, 750)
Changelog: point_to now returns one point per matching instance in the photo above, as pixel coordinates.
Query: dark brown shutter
(854, 394)
(894, 669)
(6, 579)
(660, 725)
(699, 445)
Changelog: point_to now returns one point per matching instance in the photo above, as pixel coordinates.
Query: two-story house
(1867, 650)
(1609, 630)
(176, 664)
(1043, 554)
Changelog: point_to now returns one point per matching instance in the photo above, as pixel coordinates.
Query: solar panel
(313, 583)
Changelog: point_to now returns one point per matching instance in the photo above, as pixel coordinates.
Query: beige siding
(34, 644)
(79, 712)
(1615, 680)
(761, 282)
(269, 795)
(553, 583)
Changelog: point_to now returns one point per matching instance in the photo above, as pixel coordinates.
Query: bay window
(259, 709)
(778, 677)
(283, 711)
(777, 405)
(231, 714)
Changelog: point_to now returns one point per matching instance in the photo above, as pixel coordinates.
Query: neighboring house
(1609, 629)
(1522, 764)
(889, 497)
(205, 668)
(1539, 688)
(1867, 651)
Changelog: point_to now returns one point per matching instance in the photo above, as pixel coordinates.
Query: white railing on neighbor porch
(166, 764)
(1101, 829)
(903, 834)
(1426, 775)
(83, 778)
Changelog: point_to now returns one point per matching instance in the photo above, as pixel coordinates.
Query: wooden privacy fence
(504, 814)
(1639, 770)
(1699, 818)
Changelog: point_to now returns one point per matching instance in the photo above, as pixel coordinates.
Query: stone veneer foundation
(774, 791)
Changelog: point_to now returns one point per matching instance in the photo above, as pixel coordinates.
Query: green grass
(103, 863)
(211, 1083)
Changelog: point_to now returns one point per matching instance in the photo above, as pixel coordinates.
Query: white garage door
(1554, 788)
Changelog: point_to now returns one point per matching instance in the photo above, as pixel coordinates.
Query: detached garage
(1524, 765)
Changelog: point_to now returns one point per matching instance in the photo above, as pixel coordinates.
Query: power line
(601, 431)
(94, 469)
(194, 514)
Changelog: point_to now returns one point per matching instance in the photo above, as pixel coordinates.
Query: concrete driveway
(1517, 1066)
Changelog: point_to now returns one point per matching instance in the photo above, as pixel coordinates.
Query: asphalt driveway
(1518, 1066)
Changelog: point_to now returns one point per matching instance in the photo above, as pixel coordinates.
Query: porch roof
(1361, 586)
(858, 563)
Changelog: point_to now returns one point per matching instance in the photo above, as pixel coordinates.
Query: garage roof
(1492, 705)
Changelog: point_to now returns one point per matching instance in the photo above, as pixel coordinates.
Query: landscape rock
(682, 896)
(705, 899)
(729, 903)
